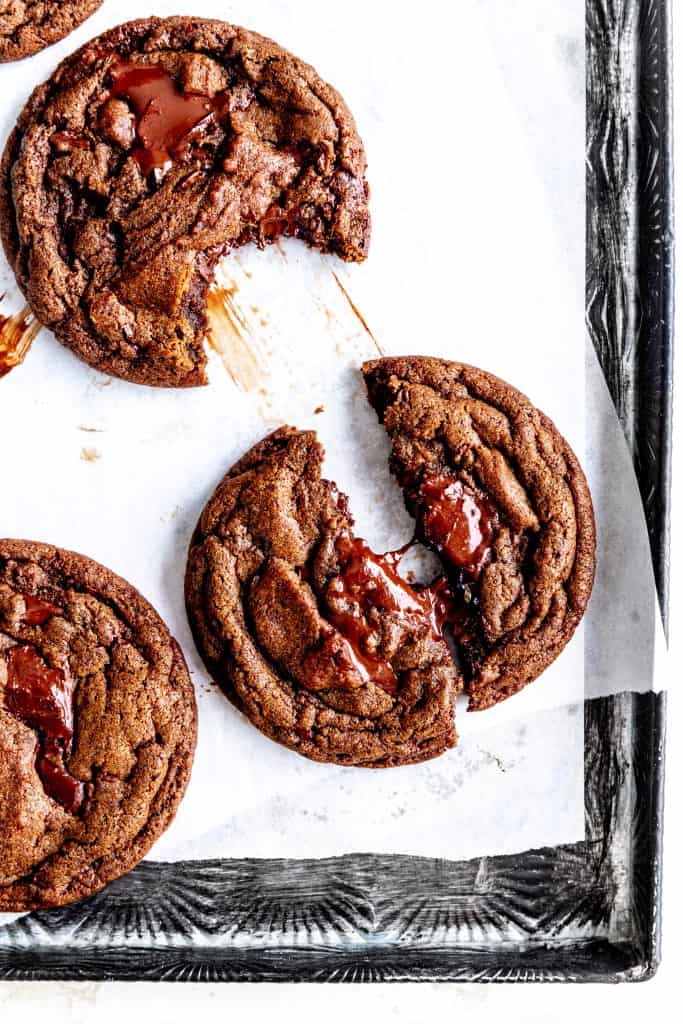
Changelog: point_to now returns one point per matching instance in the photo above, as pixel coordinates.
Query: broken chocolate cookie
(323, 644)
(319, 641)
(498, 493)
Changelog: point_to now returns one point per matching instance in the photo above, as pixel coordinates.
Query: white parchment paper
(473, 119)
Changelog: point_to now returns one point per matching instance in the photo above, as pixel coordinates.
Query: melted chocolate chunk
(37, 611)
(168, 120)
(277, 222)
(447, 608)
(41, 697)
(370, 586)
(64, 142)
(60, 784)
(457, 522)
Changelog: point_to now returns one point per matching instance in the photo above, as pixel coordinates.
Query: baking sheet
(478, 205)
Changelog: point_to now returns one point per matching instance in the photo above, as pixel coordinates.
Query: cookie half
(150, 153)
(317, 640)
(27, 26)
(97, 726)
(499, 494)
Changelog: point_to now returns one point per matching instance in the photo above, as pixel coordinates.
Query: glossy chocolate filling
(168, 121)
(42, 698)
(453, 520)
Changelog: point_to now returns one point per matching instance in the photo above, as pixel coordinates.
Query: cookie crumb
(318, 410)
(90, 454)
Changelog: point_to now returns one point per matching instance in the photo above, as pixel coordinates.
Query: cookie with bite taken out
(151, 152)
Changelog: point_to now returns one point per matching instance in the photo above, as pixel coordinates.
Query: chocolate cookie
(151, 152)
(97, 726)
(322, 643)
(27, 26)
(316, 639)
(499, 494)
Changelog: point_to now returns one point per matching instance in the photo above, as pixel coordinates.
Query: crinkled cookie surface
(97, 726)
(151, 152)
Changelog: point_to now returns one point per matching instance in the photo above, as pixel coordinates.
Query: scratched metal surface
(586, 912)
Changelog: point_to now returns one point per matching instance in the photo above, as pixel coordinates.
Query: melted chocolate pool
(38, 611)
(42, 698)
(457, 522)
(167, 119)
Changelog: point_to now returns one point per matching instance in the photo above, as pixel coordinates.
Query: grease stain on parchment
(17, 333)
(231, 337)
(357, 313)
(90, 454)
